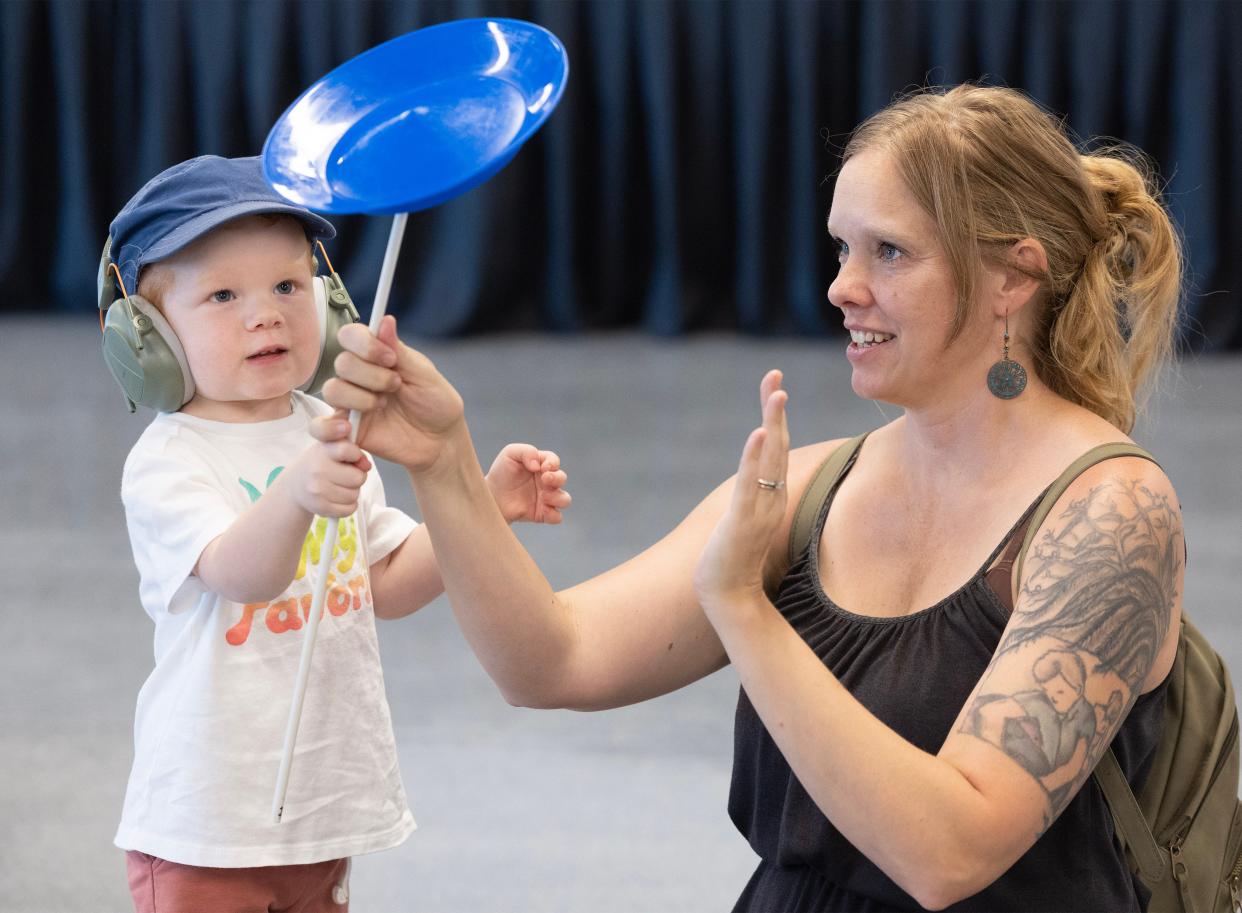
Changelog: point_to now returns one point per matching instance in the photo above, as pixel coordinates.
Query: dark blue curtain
(681, 185)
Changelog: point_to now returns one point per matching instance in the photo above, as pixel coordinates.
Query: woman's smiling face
(895, 288)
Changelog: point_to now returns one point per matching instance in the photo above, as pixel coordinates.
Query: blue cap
(186, 201)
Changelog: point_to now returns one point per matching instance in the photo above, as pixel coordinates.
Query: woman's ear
(1025, 265)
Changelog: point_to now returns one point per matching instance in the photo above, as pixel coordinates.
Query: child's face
(241, 302)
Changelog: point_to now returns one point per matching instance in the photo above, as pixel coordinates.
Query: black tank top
(915, 672)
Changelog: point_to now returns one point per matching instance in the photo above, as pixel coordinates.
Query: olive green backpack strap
(813, 495)
(1132, 827)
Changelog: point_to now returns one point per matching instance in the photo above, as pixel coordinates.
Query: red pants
(160, 886)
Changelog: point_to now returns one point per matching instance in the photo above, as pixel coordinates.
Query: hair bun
(1122, 179)
(1131, 216)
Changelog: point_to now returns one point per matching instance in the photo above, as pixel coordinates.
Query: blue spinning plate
(417, 120)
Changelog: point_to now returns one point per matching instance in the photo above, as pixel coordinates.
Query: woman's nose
(849, 287)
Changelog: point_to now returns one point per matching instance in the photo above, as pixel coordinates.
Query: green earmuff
(336, 309)
(140, 348)
(146, 359)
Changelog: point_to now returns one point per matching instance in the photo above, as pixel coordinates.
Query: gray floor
(518, 810)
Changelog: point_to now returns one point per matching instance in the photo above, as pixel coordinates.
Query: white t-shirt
(211, 717)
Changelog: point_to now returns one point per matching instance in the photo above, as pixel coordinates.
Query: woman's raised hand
(410, 413)
(730, 569)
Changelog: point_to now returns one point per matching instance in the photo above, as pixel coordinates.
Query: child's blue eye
(843, 250)
(222, 296)
(285, 288)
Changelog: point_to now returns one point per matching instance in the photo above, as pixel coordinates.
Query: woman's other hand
(730, 571)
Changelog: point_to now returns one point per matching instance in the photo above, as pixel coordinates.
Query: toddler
(225, 499)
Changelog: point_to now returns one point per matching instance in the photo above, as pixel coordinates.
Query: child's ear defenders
(147, 360)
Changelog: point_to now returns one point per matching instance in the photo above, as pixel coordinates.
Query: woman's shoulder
(1117, 490)
(805, 460)
(804, 464)
(1089, 437)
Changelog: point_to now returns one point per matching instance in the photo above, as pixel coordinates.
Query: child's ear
(154, 282)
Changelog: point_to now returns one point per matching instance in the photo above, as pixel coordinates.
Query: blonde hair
(992, 168)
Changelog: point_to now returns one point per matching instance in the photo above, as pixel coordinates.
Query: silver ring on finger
(771, 484)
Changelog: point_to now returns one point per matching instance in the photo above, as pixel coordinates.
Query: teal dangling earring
(1007, 378)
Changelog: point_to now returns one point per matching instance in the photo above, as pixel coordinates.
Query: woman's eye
(888, 251)
(285, 288)
(222, 296)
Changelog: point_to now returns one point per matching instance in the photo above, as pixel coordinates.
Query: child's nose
(265, 313)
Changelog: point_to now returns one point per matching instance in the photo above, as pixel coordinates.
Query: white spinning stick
(329, 542)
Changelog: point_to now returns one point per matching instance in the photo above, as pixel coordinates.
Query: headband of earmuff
(145, 357)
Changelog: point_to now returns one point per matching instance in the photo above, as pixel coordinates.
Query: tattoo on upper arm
(1092, 616)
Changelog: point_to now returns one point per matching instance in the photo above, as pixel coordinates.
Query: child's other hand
(528, 484)
(328, 475)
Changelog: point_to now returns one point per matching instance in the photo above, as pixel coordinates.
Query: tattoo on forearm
(1095, 607)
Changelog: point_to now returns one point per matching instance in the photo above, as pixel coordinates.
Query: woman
(907, 735)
